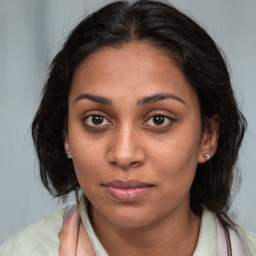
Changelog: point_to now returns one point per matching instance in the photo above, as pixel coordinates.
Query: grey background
(32, 31)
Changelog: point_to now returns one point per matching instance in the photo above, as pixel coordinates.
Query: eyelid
(160, 113)
(96, 113)
(167, 114)
(107, 118)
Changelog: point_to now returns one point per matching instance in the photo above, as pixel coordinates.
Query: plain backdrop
(31, 33)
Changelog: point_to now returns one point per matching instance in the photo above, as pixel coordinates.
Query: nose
(126, 150)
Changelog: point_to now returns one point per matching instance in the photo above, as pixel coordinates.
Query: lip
(127, 191)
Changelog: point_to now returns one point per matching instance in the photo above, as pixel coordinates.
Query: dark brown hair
(162, 26)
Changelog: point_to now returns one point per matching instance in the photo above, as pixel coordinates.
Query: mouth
(127, 191)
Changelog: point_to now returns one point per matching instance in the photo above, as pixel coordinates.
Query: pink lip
(127, 191)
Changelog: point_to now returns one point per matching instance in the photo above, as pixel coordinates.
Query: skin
(130, 145)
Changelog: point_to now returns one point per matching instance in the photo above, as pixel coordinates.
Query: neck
(174, 235)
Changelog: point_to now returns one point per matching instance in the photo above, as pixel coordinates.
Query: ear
(66, 143)
(209, 138)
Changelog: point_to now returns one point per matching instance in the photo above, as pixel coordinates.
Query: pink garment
(74, 240)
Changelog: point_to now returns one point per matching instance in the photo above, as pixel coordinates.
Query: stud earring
(69, 156)
(206, 156)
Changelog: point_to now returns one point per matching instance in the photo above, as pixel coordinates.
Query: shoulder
(40, 238)
(250, 239)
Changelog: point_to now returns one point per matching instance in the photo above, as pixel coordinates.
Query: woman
(138, 114)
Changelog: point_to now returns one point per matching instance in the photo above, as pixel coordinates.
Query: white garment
(41, 238)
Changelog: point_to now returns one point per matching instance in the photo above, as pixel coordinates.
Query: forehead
(136, 68)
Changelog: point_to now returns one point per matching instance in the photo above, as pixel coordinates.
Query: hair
(161, 25)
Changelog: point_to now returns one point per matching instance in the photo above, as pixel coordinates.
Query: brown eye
(96, 120)
(159, 120)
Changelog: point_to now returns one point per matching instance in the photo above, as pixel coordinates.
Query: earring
(69, 156)
(206, 156)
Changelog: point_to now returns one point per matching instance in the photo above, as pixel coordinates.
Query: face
(134, 133)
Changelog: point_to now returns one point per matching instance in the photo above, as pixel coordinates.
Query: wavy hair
(199, 58)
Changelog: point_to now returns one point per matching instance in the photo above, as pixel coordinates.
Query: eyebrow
(144, 101)
(158, 97)
(95, 98)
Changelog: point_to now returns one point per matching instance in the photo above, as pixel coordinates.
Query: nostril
(123, 165)
(113, 163)
(133, 163)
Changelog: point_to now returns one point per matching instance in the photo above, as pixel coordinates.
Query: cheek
(89, 169)
(176, 162)
(88, 159)
(177, 153)
(175, 177)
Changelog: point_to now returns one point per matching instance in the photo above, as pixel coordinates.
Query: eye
(159, 120)
(96, 120)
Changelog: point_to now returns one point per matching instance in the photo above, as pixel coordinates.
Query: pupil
(97, 120)
(158, 120)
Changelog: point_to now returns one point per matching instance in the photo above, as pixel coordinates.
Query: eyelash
(88, 119)
(161, 115)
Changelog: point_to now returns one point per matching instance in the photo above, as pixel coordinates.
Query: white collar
(207, 241)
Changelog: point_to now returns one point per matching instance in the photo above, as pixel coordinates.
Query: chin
(131, 216)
